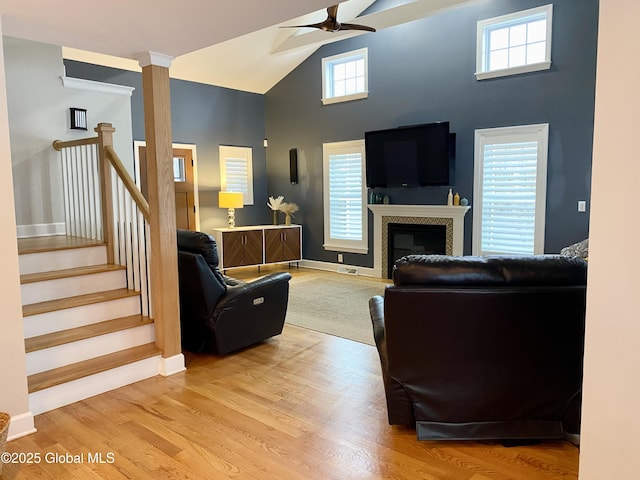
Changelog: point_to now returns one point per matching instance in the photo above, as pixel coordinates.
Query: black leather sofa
(218, 313)
(483, 348)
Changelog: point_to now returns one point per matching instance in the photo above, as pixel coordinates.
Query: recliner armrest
(376, 311)
(254, 293)
(250, 312)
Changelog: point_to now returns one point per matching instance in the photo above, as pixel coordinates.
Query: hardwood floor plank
(303, 405)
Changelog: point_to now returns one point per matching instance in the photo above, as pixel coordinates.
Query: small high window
(344, 77)
(516, 43)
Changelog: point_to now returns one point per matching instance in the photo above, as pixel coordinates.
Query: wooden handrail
(128, 182)
(59, 144)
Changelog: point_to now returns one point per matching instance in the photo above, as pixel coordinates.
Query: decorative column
(161, 192)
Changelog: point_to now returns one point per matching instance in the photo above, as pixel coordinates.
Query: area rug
(337, 304)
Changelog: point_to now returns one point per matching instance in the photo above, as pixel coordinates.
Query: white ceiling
(213, 41)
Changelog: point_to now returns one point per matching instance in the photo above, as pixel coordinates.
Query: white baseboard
(21, 425)
(171, 365)
(338, 267)
(40, 230)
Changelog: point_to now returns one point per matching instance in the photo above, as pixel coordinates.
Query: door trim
(186, 146)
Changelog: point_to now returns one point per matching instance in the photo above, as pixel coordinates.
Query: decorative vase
(275, 217)
(287, 219)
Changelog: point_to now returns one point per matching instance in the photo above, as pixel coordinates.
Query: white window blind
(345, 207)
(345, 187)
(236, 175)
(236, 171)
(511, 189)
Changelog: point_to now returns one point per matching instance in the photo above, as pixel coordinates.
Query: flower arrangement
(274, 204)
(288, 209)
(277, 204)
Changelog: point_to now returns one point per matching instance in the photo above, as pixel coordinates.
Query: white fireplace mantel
(452, 217)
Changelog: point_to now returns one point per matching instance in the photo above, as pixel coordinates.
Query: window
(344, 77)
(510, 184)
(345, 208)
(236, 171)
(515, 43)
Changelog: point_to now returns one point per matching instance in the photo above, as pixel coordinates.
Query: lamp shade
(230, 200)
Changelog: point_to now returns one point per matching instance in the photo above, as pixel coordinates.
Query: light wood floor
(303, 405)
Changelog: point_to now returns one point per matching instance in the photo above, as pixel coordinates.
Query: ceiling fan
(331, 24)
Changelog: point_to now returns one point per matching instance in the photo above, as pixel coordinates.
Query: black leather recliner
(220, 314)
(483, 348)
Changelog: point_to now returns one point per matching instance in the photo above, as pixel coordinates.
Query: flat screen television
(412, 156)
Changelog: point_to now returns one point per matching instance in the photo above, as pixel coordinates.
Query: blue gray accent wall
(206, 116)
(423, 72)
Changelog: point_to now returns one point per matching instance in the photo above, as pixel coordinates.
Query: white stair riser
(61, 259)
(66, 393)
(49, 322)
(61, 355)
(70, 286)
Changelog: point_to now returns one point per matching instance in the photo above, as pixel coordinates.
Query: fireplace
(451, 219)
(414, 239)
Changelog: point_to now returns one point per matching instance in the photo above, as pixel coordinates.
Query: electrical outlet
(582, 206)
(340, 258)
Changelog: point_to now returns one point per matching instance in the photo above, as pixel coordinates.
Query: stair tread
(76, 301)
(54, 339)
(68, 373)
(69, 272)
(54, 243)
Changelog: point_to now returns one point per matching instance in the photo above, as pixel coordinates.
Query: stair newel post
(162, 224)
(105, 138)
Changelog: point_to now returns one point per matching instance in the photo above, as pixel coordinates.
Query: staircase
(84, 331)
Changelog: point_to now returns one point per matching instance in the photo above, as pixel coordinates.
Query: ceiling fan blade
(312, 25)
(331, 24)
(332, 13)
(353, 26)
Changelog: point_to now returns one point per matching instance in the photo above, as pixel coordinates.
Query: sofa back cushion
(496, 270)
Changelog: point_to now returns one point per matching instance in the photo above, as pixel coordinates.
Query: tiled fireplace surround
(451, 217)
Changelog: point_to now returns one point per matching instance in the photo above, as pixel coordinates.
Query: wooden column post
(164, 257)
(105, 137)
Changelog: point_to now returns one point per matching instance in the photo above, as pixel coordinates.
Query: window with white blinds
(236, 171)
(510, 190)
(345, 209)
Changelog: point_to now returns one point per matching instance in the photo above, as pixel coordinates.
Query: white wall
(13, 374)
(610, 439)
(39, 113)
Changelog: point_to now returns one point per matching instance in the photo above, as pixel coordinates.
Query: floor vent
(348, 270)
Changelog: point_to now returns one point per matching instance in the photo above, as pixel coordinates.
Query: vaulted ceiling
(235, 44)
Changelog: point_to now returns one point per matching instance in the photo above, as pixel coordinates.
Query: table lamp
(230, 200)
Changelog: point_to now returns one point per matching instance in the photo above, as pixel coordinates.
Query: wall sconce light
(78, 118)
(265, 143)
(230, 200)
